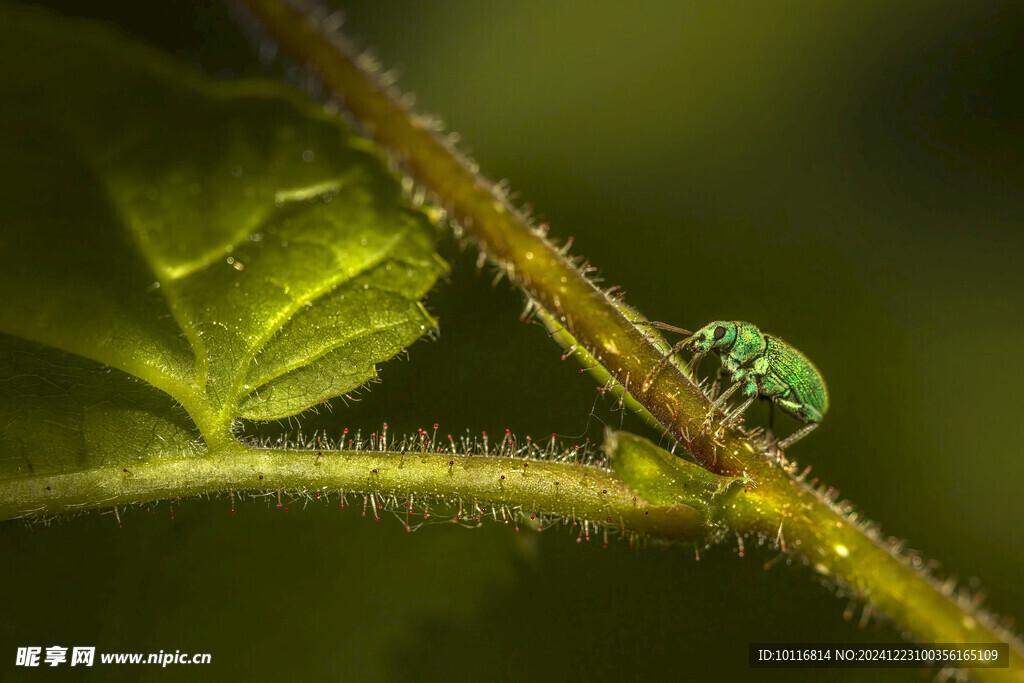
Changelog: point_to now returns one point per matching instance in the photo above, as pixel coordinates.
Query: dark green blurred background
(845, 175)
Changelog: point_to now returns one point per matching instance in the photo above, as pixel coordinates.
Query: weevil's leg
(709, 418)
(750, 390)
(735, 414)
(718, 382)
(718, 402)
(690, 369)
(796, 436)
(663, 362)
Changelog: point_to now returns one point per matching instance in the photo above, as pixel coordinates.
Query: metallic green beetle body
(763, 365)
(760, 364)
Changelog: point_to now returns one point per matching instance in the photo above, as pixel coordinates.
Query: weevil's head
(714, 336)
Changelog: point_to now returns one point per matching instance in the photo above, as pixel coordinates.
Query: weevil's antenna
(664, 326)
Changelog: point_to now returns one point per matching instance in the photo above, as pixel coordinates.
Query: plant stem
(571, 491)
(598, 326)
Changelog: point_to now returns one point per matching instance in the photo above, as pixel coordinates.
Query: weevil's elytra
(760, 365)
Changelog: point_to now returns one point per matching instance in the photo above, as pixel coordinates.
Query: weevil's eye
(719, 332)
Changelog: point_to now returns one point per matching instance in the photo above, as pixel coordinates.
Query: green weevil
(760, 364)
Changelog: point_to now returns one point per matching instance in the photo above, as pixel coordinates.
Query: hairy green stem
(572, 491)
(626, 354)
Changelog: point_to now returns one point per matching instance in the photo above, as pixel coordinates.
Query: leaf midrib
(235, 395)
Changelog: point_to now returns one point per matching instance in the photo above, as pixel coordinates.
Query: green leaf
(178, 252)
